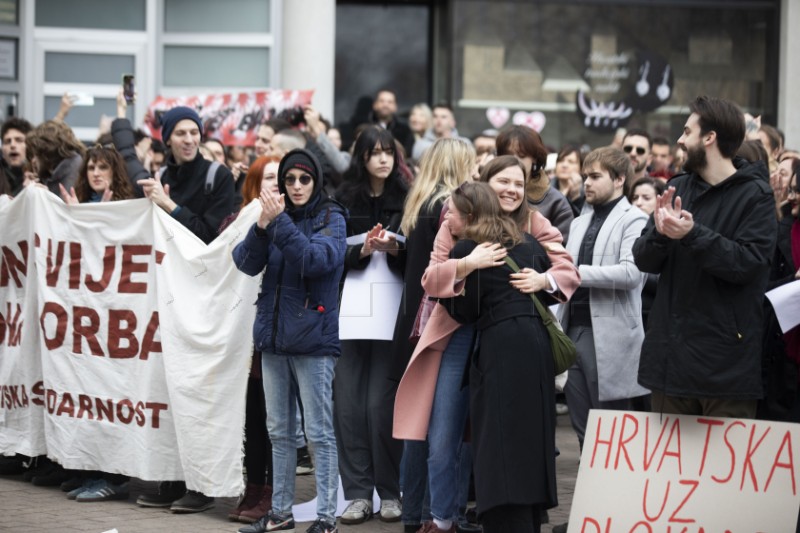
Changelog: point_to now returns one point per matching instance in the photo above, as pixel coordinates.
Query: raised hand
(157, 193)
(271, 207)
(70, 198)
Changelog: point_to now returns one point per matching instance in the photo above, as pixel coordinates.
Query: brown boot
(252, 514)
(252, 495)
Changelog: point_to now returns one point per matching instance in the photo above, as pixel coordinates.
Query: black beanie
(305, 161)
(171, 118)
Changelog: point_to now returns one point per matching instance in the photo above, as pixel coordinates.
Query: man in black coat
(712, 247)
(384, 114)
(183, 190)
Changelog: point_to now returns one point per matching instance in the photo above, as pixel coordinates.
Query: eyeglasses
(305, 179)
(639, 149)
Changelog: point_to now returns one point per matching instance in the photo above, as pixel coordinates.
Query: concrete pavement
(26, 508)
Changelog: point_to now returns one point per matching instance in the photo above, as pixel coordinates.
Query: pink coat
(412, 406)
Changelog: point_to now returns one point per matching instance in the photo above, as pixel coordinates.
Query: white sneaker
(357, 512)
(390, 510)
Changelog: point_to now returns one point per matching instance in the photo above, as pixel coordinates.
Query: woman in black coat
(512, 391)
(369, 458)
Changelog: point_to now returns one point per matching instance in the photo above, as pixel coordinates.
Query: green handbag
(564, 351)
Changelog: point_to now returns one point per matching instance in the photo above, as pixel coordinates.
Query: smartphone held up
(128, 88)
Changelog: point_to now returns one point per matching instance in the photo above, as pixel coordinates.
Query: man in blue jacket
(711, 238)
(300, 239)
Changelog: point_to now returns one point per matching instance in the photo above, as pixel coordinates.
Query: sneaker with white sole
(358, 512)
(391, 510)
(270, 522)
(103, 491)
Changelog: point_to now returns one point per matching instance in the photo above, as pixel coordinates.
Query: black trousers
(512, 519)
(257, 446)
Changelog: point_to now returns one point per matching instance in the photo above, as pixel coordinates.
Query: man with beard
(710, 239)
(13, 135)
(637, 144)
(384, 114)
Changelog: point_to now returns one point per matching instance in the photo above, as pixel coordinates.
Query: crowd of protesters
(658, 255)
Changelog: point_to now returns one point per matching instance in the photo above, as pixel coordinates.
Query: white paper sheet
(370, 299)
(786, 302)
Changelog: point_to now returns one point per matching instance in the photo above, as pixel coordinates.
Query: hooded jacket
(303, 252)
(703, 336)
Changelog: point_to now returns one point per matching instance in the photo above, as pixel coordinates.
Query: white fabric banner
(125, 341)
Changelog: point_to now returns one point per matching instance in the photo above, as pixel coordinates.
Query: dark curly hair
(120, 184)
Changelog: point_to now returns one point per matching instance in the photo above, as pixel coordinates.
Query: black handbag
(564, 351)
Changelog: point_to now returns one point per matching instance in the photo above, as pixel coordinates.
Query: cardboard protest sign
(125, 341)
(646, 473)
(232, 118)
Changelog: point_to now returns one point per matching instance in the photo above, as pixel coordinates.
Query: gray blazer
(615, 298)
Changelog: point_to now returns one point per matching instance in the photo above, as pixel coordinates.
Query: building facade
(576, 69)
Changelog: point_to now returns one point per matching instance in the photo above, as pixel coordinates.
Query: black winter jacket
(703, 338)
(200, 211)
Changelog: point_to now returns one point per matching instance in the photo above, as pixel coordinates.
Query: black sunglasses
(305, 179)
(639, 149)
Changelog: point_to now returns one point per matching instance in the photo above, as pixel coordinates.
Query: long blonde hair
(443, 167)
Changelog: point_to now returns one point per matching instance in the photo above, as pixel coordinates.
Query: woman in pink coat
(431, 401)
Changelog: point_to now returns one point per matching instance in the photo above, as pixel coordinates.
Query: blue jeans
(313, 376)
(446, 428)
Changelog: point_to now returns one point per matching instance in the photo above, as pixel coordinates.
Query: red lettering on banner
(694, 484)
(75, 256)
(116, 332)
(588, 521)
(156, 408)
(105, 409)
(38, 390)
(149, 344)
(13, 397)
(598, 441)
(60, 333)
(747, 467)
(121, 340)
(67, 406)
(123, 417)
(711, 423)
(54, 266)
(786, 443)
(12, 266)
(85, 406)
(109, 261)
(732, 452)
(623, 441)
(123, 411)
(129, 267)
(663, 502)
(636, 529)
(648, 460)
(87, 331)
(11, 326)
(676, 428)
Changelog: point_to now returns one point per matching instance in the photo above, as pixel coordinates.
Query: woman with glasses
(430, 399)
(369, 458)
(298, 243)
(527, 145)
